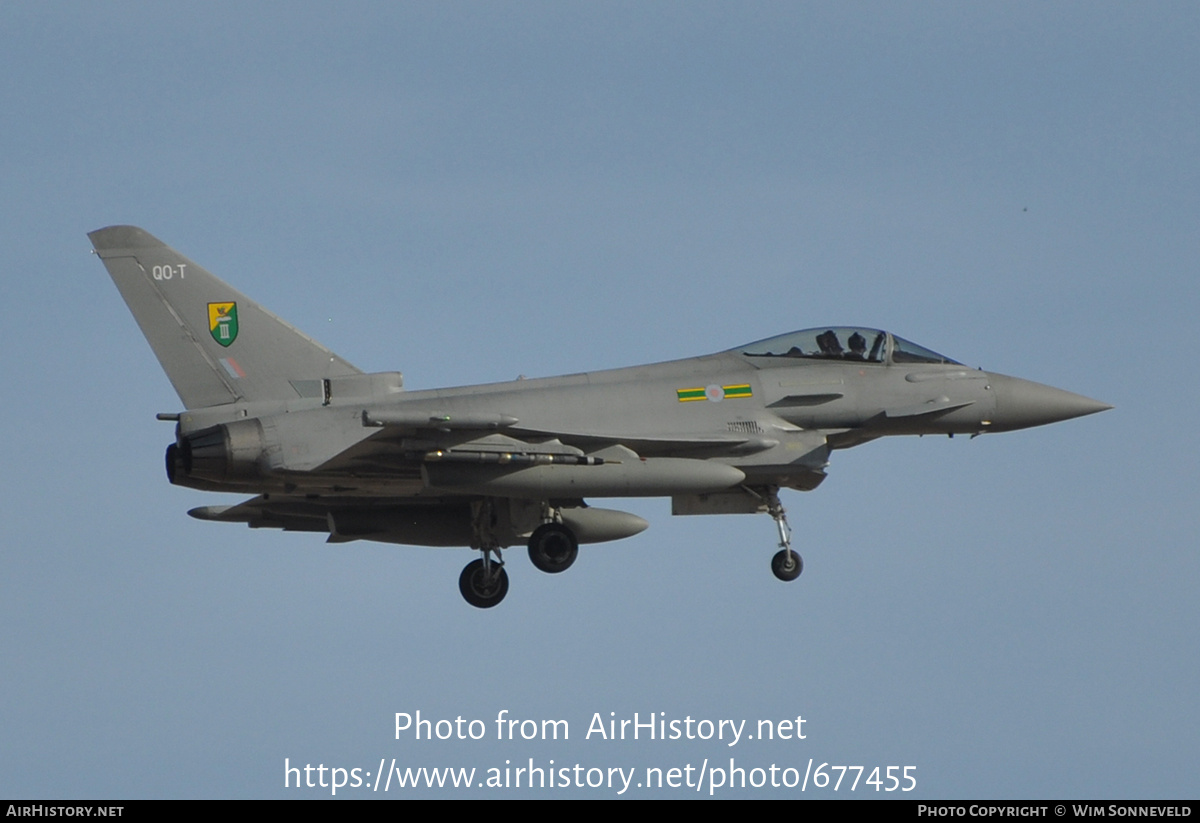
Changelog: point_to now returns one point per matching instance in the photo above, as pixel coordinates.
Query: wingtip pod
(123, 237)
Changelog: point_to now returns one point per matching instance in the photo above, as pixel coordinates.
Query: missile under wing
(323, 447)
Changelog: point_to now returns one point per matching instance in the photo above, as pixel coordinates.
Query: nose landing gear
(786, 564)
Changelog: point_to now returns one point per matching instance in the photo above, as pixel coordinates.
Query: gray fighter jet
(328, 449)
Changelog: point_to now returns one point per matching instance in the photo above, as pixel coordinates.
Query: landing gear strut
(786, 564)
(484, 582)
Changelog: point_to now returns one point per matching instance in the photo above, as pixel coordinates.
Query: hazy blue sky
(468, 192)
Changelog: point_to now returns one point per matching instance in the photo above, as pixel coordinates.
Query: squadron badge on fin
(223, 322)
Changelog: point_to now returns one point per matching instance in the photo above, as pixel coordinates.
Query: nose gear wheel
(786, 564)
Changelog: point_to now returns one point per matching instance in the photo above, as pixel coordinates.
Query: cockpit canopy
(844, 343)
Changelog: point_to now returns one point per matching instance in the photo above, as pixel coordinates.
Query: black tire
(786, 565)
(553, 548)
(477, 590)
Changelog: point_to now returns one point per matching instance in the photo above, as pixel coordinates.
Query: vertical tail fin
(216, 345)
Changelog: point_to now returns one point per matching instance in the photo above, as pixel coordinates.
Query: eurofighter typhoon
(326, 448)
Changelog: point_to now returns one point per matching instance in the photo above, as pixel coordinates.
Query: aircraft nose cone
(1023, 403)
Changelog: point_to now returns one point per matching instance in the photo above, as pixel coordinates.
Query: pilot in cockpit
(829, 343)
(858, 347)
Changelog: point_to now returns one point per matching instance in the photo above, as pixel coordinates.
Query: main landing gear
(484, 582)
(786, 564)
(553, 547)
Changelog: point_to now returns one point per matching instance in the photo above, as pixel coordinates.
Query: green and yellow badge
(222, 322)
